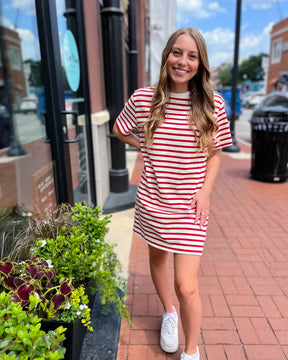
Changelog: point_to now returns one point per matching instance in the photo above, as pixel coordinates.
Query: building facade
(278, 57)
(57, 148)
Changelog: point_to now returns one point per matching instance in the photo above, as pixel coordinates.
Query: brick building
(11, 43)
(278, 58)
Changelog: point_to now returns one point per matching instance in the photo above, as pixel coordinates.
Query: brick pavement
(243, 276)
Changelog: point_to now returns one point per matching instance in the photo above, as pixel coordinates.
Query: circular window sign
(71, 61)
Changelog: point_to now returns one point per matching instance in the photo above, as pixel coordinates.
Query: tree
(225, 76)
(251, 68)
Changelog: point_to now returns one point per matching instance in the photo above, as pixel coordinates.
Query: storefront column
(113, 65)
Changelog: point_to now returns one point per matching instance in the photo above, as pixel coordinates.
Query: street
(28, 127)
(243, 127)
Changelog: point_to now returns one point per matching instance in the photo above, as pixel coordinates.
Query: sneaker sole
(168, 349)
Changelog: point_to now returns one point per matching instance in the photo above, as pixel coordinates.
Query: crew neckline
(183, 95)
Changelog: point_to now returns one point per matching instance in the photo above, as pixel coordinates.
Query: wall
(143, 42)
(12, 44)
(99, 115)
(279, 31)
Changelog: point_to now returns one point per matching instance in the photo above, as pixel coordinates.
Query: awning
(273, 80)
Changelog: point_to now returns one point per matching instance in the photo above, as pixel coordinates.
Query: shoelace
(169, 325)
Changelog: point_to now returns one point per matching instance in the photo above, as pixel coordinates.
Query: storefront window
(74, 103)
(26, 167)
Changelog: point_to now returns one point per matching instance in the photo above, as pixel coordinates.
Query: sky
(20, 14)
(216, 21)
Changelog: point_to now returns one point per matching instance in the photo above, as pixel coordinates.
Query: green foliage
(21, 337)
(34, 276)
(225, 76)
(79, 251)
(251, 68)
(77, 308)
(72, 240)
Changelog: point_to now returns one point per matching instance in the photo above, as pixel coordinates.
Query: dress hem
(168, 250)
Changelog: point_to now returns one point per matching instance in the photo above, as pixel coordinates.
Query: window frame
(275, 57)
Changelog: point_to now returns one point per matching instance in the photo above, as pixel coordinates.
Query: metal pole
(113, 65)
(234, 147)
(133, 53)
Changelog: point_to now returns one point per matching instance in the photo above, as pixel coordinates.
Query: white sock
(192, 357)
(172, 313)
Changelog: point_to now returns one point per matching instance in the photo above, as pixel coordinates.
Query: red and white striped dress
(174, 170)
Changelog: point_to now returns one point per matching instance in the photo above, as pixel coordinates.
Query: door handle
(74, 121)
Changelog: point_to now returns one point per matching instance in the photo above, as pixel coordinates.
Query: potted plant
(73, 239)
(21, 336)
(59, 302)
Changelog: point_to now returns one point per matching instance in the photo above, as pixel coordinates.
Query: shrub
(21, 336)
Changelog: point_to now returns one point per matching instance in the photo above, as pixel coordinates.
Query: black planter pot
(102, 343)
(74, 334)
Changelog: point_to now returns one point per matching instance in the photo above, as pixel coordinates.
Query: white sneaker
(195, 356)
(169, 332)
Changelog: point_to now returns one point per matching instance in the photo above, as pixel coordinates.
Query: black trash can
(269, 149)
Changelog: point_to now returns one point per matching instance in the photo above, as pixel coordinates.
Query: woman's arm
(202, 197)
(130, 139)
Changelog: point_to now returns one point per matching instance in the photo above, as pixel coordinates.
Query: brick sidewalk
(243, 275)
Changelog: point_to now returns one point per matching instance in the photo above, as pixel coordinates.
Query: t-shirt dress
(174, 170)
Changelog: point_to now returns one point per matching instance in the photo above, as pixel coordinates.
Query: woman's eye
(176, 52)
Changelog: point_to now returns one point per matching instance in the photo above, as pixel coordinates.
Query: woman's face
(182, 63)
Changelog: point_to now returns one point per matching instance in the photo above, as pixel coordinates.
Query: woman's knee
(187, 293)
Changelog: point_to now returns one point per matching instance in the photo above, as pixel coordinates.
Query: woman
(182, 127)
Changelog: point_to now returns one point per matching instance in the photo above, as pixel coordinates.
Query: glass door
(75, 98)
(26, 166)
(66, 111)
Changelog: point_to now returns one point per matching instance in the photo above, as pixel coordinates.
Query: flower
(50, 263)
(77, 308)
(43, 243)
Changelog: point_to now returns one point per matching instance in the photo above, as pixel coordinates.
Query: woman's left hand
(201, 202)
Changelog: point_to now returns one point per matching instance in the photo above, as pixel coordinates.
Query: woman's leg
(186, 287)
(159, 272)
(160, 276)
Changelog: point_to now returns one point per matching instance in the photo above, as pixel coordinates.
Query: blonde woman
(181, 127)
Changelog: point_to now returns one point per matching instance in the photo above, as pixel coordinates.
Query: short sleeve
(223, 135)
(126, 121)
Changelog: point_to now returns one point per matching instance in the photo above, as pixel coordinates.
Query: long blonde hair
(201, 118)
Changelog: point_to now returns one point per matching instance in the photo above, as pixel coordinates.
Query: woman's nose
(182, 60)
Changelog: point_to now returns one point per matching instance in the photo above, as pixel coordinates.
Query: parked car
(274, 104)
(28, 104)
(253, 99)
(245, 96)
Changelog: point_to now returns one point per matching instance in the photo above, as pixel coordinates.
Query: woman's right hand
(130, 139)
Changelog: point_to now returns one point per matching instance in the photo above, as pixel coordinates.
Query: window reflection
(26, 168)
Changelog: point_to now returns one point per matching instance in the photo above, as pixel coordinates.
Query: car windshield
(277, 100)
